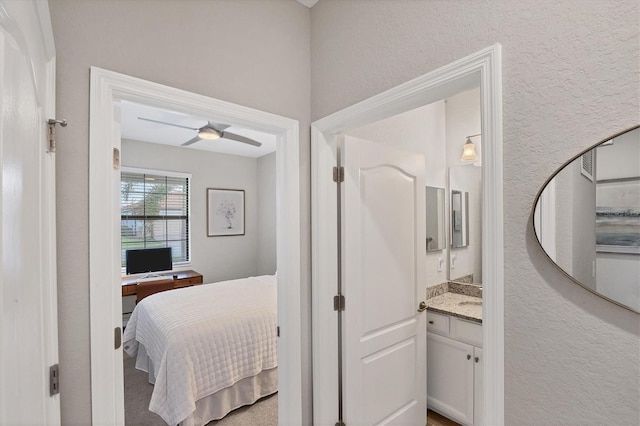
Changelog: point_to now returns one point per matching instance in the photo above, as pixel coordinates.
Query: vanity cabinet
(454, 368)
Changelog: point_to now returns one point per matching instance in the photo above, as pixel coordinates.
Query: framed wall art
(225, 212)
(618, 215)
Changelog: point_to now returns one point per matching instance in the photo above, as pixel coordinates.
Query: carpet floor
(137, 394)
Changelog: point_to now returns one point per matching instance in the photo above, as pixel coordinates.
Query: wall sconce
(469, 149)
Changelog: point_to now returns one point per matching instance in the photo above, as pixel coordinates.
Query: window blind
(154, 212)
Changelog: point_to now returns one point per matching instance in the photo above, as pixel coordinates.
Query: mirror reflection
(465, 223)
(435, 218)
(459, 219)
(587, 219)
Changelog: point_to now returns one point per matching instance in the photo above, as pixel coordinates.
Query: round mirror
(587, 219)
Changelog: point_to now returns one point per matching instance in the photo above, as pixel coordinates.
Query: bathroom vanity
(454, 353)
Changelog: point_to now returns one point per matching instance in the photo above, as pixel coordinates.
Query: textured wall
(570, 79)
(252, 52)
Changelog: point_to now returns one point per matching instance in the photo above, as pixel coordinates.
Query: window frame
(169, 174)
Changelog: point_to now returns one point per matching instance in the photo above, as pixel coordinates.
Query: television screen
(149, 260)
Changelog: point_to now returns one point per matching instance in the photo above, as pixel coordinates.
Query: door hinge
(117, 338)
(338, 174)
(54, 384)
(278, 331)
(116, 159)
(52, 132)
(340, 423)
(338, 303)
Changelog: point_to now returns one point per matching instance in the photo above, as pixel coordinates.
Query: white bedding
(204, 338)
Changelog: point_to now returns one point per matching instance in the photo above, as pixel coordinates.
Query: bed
(208, 349)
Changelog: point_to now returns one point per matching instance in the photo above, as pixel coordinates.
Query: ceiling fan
(209, 131)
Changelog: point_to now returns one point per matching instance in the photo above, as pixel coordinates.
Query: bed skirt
(216, 406)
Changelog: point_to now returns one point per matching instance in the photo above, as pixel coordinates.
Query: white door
(383, 279)
(28, 327)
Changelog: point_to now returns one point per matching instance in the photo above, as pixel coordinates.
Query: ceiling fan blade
(238, 138)
(190, 141)
(167, 124)
(218, 126)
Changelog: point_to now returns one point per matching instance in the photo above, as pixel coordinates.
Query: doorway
(481, 69)
(107, 88)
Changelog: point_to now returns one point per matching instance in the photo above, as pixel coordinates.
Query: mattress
(200, 340)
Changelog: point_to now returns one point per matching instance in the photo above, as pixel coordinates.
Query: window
(154, 209)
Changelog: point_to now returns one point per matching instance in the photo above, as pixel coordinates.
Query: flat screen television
(149, 260)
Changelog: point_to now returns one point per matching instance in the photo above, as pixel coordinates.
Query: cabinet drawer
(466, 331)
(437, 323)
(185, 282)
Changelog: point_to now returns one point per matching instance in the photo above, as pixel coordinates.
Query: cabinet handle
(477, 359)
(468, 356)
(430, 322)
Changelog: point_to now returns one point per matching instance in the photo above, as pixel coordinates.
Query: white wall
(217, 258)
(420, 130)
(468, 259)
(253, 52)
(583, 218)
(618, 274)
(266, 247)
(621, 159)
(576, 223)
(564, 214)
(571, 77)
(618, 277)
(463, 115)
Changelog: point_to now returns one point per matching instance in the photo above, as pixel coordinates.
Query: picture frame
(618, 215)
(225, 212)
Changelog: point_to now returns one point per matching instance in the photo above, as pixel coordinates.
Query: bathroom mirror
(459, 218)
(435, 218)
(587, 219)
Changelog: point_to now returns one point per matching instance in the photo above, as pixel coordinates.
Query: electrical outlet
(453, 261)
(440, 263)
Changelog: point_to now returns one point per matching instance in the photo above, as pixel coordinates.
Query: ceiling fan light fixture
(208, 133)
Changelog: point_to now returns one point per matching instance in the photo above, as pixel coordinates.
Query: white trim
(482, 68)
(166, 173)
(105, 308)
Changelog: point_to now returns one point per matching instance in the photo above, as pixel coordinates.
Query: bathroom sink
(470, 303)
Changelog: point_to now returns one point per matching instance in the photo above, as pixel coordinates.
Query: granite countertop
(454, 302)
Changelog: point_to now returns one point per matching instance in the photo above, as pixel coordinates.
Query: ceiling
(133, 128)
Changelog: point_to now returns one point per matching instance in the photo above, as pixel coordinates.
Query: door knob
(422, 306)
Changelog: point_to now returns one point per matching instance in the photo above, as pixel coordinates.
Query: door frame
(107, 87)
(483, 69)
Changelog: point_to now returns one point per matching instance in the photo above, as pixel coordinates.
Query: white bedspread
(204, 338)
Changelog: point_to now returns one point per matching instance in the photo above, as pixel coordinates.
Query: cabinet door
(450, 378)
(478, 383)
